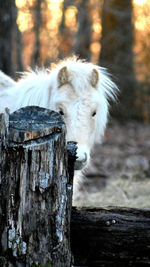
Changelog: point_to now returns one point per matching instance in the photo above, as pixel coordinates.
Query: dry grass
(119, 174)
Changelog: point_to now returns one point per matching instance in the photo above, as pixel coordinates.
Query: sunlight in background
(97, 27)
(51, 18)
(141, 15)
(55, 9)
(52, 40)
(24, 19)
(20, 3)
(70, 17)
(141, 20)
(140, 2)
(95, 48)
(49, 34)
(95, 15)
(141, 23)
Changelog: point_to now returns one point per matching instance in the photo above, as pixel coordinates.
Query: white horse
(78, 90)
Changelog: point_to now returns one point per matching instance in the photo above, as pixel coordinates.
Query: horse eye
(61, 113)
(94, 113)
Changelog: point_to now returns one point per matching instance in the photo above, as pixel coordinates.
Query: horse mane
(80, 69)
(37, 86)
(34, 87)
(6, 82)
(107, 84)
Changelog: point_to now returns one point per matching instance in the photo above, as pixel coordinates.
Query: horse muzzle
(81, 161)
(82, 154)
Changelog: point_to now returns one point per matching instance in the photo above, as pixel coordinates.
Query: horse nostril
(81, 161)
(85, 157)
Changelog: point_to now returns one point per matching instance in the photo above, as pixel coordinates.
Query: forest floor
(119, 173)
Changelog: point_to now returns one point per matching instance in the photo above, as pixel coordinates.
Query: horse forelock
(79, 76)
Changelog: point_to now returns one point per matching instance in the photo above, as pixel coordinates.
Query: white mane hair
(5, 82)
(7, 86)
(87, 86)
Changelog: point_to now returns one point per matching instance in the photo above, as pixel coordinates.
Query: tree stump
(35, 189)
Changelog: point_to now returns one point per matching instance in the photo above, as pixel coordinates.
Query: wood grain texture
(110, 237)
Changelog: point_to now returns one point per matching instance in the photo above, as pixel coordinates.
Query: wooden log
(116, 237)
(35, 189)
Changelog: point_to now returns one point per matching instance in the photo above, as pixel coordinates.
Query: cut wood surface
(114, 236)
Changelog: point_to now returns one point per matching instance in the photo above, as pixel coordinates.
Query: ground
(119, 173)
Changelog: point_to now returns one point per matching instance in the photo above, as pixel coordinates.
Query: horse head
(79, 96)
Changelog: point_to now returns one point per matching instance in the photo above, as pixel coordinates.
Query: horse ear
(63, 76)
(94, 77)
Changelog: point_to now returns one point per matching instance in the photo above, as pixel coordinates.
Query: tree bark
(35, 189)
(116, 237)
(17, 57)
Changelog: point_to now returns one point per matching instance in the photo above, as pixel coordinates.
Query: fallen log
(116, 237)
(35, 189)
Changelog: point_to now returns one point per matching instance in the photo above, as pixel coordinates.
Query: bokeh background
(111, 33)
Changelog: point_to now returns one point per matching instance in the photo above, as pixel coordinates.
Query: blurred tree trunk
(17, 59)
(83, 36)
(37, 27)
(65, 33)
(9, 44)
(117, 54)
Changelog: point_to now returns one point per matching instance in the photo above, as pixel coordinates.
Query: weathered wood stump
(35, 189)
(114, 237)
